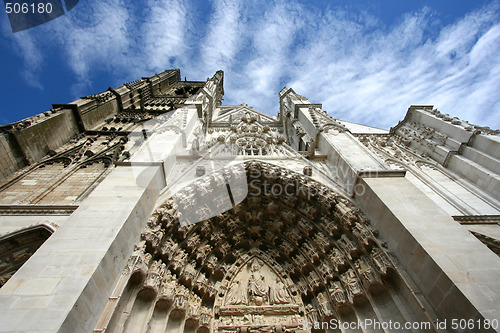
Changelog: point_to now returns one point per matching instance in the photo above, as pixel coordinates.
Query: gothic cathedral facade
(153, 207)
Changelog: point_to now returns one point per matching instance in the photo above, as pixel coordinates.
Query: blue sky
(366, 61)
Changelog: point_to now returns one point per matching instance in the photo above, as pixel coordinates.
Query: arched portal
(293, 256)
(17, 247)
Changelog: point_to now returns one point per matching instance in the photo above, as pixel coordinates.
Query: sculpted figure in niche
(337, 293)
(203, 251)
(278, 293)
(365, 270)
(312, 314)
(381, 260)
(362, 234)
(237, 294)
(352, 283)
(256, 284)
(167, 288)
(155, 274)
(324, 305)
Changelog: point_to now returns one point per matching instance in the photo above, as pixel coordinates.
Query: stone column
(65, 285)
(456, 273)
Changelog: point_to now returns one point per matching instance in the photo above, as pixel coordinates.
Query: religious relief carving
(288, 216)
(338, 294)
(300, 260)
(192, 241)
(153, 279)
(223, 249)
(322, 242)
(238, 294)
(368, 275)
(205, 228)
(381, 260)
(211, 263)
(194, 310)
(232, 224)
(353, 285)
(257, 285)
(312, 314)
(272, 209)
(181, 303)
(217, 236)
(270, 236)
(332, 228)
(305, 225)
(294, 235)
(363, 235)
(326, 270)
(205, 317)
(349, 246)
(238, 237)
(138, 263)
(290, 200)
(314, 280)
(278, 293)
(168, 249)
(256, 279)
(166, 293)
(324, 306)
(153, 237)
(338, 260)
(189, 273)
(257, 301)
(310, 251)
(179, 260)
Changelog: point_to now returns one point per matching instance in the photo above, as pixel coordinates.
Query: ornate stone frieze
(251, 268)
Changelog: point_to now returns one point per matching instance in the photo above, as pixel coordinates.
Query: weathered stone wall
(11, 157)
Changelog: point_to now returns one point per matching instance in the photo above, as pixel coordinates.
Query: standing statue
(237, 294)
(278, 293)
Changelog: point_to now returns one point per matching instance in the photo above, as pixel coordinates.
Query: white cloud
(163, 38)
(361, 69)
(222, 43)
(32, 57)
(374, 78)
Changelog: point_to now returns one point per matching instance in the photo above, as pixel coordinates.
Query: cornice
(59, 210)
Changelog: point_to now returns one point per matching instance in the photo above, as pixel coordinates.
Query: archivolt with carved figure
(268, 264)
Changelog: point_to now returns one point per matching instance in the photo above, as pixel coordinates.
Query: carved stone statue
(278, 293)
(154, 278)
(348, 245)
(365, 271)
(256, 284)
(338, 293)
(380, 260)
(352, 284)
(362, 234)
(237, 294)
(324, 305)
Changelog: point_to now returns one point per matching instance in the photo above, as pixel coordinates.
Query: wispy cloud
(32, 56)
(224, 37)
(163, 35)
(360, 68)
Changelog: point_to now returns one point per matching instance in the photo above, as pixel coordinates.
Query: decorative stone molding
(270, 260)
(36, 210)
(477, 219)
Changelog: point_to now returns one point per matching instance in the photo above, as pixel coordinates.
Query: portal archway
(294, 260)
(17, 247)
